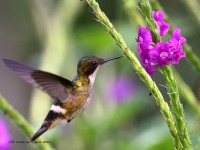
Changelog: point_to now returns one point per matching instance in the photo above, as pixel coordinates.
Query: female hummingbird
(71, 97)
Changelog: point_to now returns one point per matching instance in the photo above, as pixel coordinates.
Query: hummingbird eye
(93, 63)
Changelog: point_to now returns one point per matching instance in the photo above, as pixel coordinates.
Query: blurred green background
(53, 35)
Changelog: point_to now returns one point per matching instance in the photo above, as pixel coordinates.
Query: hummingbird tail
(39, 132)
(50, 121)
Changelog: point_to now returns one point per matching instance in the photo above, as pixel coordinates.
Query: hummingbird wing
(55, 86)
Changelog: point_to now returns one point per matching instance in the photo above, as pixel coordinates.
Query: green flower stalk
(185, 90)
(176, 106)
(155, 53)
(21, 123)
(102, 18)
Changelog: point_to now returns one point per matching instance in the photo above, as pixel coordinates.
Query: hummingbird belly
(75, 105)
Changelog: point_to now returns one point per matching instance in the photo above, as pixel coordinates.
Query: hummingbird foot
(69, 120)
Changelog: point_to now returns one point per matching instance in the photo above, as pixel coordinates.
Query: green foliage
(86, 40)
(134, 123)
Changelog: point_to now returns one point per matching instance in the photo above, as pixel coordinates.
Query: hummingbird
(70, 97)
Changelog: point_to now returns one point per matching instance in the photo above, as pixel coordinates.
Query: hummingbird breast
(75, 105)
(78, 100)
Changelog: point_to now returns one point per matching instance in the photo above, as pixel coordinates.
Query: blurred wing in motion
(55, 86)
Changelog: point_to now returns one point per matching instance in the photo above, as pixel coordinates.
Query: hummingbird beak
(109, 59)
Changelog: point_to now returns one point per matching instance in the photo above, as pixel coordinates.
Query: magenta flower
(5, 136)
(160, 56)
(176, 42)
(144, 35)
(163, 27)
(150, 70)
(144, 50)
(161, 53)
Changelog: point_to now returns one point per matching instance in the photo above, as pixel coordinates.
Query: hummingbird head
(89, 65)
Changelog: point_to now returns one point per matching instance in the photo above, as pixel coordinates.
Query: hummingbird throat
(93, 76)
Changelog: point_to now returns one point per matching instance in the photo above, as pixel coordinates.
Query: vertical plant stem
(177, 107)
(173, 92)
(185, 90)
(21, 123)
(102, 18)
